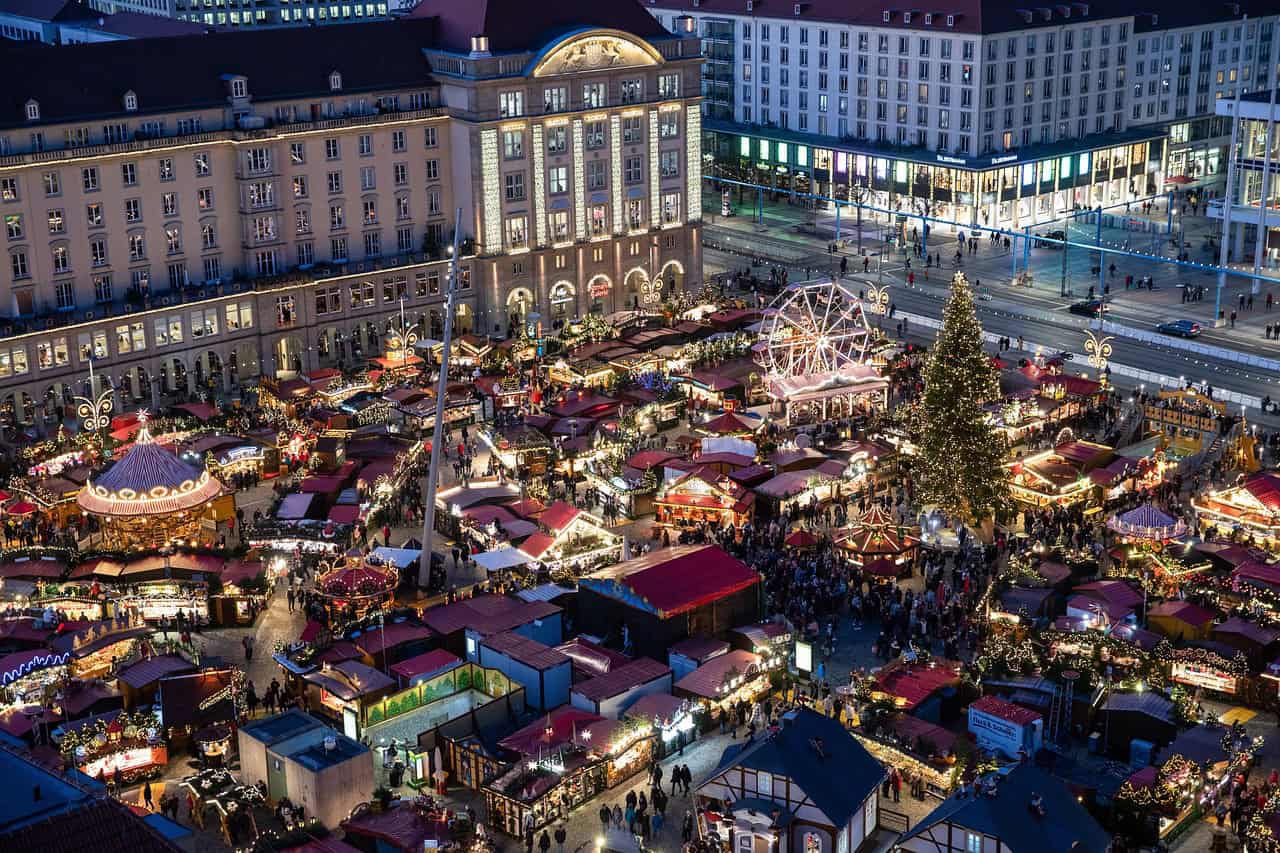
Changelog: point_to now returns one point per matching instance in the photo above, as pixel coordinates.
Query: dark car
(1181, 328)
(1089, 307)
(1058, 235)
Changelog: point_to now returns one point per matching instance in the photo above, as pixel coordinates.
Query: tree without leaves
(961, 452)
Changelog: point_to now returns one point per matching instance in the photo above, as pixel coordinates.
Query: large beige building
(191, 213)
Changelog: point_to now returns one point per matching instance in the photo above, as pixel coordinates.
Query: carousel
(354, 587)
(151, 498)
(879, 545)
(1144, 533)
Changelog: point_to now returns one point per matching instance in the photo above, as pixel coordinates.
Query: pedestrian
(605, 817)
(146, 796)
(561, 835)
(544, 841)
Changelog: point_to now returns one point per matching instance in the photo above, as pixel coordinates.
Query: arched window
(33, 110)
(130, 102)
(335, 82)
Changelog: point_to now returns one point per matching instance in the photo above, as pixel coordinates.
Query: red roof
(646, 459)
(147, 671)
(706, 680)
(537, 544)
(619, 680)
(377, 640)
(1183, 611)
(436, 660)
(487, 614)
(1254, 633)
(1113, 592)
(915, 684)
(1265, 486)
(549, 731)
(680, 579)
(558, 516)
(523, 650)
(402, 828)
(727, 424)
(344, 514)
(32, 568)
(1015, 714)
(1260, 572)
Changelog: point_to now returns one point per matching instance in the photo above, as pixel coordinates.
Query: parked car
(1089, 307)
(1181, 328)
(1058, 234)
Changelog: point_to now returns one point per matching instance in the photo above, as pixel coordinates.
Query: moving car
(1089, 307)
(1058, 235)
(1181, 328)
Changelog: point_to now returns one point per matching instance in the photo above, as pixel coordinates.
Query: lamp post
(878, 297)
(95, 409)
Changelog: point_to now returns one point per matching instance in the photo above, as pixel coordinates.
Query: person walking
(146, 796)
(605, 817)
(544, 841)
(561, 835)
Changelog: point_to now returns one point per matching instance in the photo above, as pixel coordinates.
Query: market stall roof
(17, 664)
(1265, 488)
(349, 680)
(484, 514)
(671, 581)
(1147, 703)
(401, 558)
(1230, 553)
(1201, 744)
(708, 680)
(646, 459)
(339, 651)
(1053, 571)
(729, 423)
(518, 528)
(358, 579)
(322, 484)
(544, 592)
(1263, 573)
(1112, 591)
(1257, 634)
(200, 411)
(619, 680)
(912, 730)
(344, 514)
(733, 460)
(997, 707)
(558, 516)
(699, 648)
(915, 683)
(151, 670)
(401, 828)
(1183, 611)
(148, 480)
(294, 507)
(530, 652)
(801, 539)
(785, 485)
(1140, 637)
(1018, 598)
(376, 641)
(27, 567)
(428, 663)
(537, 545)
(550, 732)
(502, 558)
(486, 614)
(662, 707)
(1147, 522)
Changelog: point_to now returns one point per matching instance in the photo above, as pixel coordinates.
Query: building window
(102, 287)
(557, 180)
(514, 186)
(632, 91)
(555, 99)
(633, 173)
(668, 85)
(513, 144)
(593, 96)
(511, 104)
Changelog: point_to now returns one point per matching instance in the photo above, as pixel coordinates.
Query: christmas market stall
(94, 650)
(27, 676)
(701, 496)
(151, 499)
(1057, 477)
(519, 447)
(720, 684)
(561, 761)
(119, 746)
(352, 586)
(1250, 509)
(197, 708)
(877, 535)
(217, 800)
(571, 541)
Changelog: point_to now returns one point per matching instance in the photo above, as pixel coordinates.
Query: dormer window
(239, 87)
(335, 82)
(951, 20)
(33, 110)
(928, 18)
(888, 16)
(130, 102)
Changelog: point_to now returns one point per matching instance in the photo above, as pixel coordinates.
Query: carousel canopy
(1147, 522)
(877, 532)
(358, 580)
(148, 480)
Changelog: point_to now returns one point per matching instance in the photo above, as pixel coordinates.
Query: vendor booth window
(812, 843)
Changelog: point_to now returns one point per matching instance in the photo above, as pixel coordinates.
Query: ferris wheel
(814, 327)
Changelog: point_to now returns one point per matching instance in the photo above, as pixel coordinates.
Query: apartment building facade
(1251, 228)
(271, 207)
(985, 113)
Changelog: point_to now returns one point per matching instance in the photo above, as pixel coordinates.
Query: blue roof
(170, 829)
(838, 781)
(1008, 817)
(316, 758)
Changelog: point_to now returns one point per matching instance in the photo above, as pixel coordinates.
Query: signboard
(1198, 675)
(129, 759)
(804, 656)
(995, 733)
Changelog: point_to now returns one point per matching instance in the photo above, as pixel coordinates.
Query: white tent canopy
(498, 559)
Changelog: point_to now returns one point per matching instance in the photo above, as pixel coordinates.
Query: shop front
(1011, 189)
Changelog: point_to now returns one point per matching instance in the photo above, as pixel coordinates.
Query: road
(1038, 313)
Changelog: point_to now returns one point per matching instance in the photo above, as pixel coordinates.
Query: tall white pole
(1269, 140)
(437, 434)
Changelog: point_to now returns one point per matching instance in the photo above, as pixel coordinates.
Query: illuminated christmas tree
(962, 453)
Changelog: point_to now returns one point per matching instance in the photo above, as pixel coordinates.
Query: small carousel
(879, 545)
(1144, 534)
(151, 498)
(354, 587)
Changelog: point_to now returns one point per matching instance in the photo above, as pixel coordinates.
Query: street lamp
(878, 298)
(95, 409)
(1098, 348)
